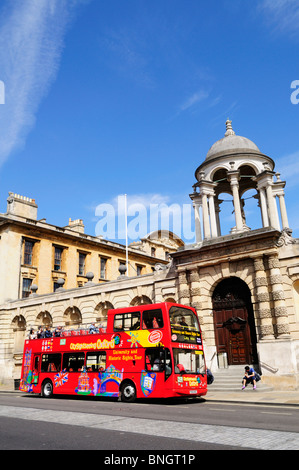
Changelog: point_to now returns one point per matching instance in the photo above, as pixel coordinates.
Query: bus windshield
(188, 361)
(183, 318)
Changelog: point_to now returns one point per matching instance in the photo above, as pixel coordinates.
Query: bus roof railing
(69, 330)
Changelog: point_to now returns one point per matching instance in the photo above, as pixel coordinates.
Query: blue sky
(127, 96)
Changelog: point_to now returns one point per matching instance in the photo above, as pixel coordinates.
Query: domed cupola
(234, 165)
(231, 144)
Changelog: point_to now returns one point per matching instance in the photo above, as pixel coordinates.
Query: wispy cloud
(127, 53)
(288, 167)
(194, 99)
(282, 15)
(192, 102)
(31, 43)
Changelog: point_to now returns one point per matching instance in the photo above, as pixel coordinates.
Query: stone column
(234, 183)
(278, 297)
(205, 215)
(213, 216)
(195, 291)
(263, 299)
(184, 294)
(283, 211)
(273, 215)
(264, 209)
(198, 236)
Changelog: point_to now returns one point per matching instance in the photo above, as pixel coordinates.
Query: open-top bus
(151, 350)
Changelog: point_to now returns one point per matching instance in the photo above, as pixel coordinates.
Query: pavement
(247, 396)
(250, 396)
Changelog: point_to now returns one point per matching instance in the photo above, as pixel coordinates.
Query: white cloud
(31, 44)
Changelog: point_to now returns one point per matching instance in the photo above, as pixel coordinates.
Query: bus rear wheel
(128, 392)
(47, 389)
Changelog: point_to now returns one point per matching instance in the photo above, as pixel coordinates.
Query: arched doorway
(234, 322)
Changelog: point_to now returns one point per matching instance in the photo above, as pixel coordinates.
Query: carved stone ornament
(235, 323)
(286, 238)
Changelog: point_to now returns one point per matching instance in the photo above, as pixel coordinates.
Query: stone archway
(234, 322)
(72, 316)
(140, 300)
(101, 312)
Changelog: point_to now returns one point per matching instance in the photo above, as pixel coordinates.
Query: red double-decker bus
(145, 351)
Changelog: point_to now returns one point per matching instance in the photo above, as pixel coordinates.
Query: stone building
(34, 252)
(244, 285)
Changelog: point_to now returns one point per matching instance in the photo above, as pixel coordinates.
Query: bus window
(188, 361)
(183, 318)
(51, 363)
(152, 319)
(158, 360)
(127, 321)
(154, 359)
(96, 361)
(73, 362)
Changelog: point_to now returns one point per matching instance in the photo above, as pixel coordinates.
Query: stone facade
(244, 285)
(34, 252)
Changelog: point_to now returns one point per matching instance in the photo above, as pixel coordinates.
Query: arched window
(72, 316)
(19, 332)
(140, 300)
(101, 311)
(44, 319)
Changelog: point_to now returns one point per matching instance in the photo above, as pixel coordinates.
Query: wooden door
(232, 330)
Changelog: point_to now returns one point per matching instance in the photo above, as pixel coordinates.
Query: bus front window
(188, 361)
(184, 326)
(183, 318)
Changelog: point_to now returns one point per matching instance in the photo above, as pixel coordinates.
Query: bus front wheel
(47, 389)
(128, 392)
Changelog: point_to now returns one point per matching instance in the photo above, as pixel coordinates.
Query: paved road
(70, 423)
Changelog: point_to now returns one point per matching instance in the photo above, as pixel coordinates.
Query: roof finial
(229, 129)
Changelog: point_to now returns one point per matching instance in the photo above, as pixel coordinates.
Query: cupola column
(233, 177)
(205, 215)
(213, 216)
(264, 210)
(278, 189)
(273, 214)
(196, 205)
(265, 187)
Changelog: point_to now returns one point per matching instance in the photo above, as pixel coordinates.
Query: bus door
(158, 365)
(36, 369)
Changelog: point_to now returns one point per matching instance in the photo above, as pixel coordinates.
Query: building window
(28, 252)
(153, 252)
(139, 270)
(103, 268)
(82, 260)
(57, 258)
(56, 286)
(26, 287)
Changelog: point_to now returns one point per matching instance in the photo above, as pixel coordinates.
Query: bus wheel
(128, 392)
(47, 389)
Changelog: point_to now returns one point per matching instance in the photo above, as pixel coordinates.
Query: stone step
(230, 379)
